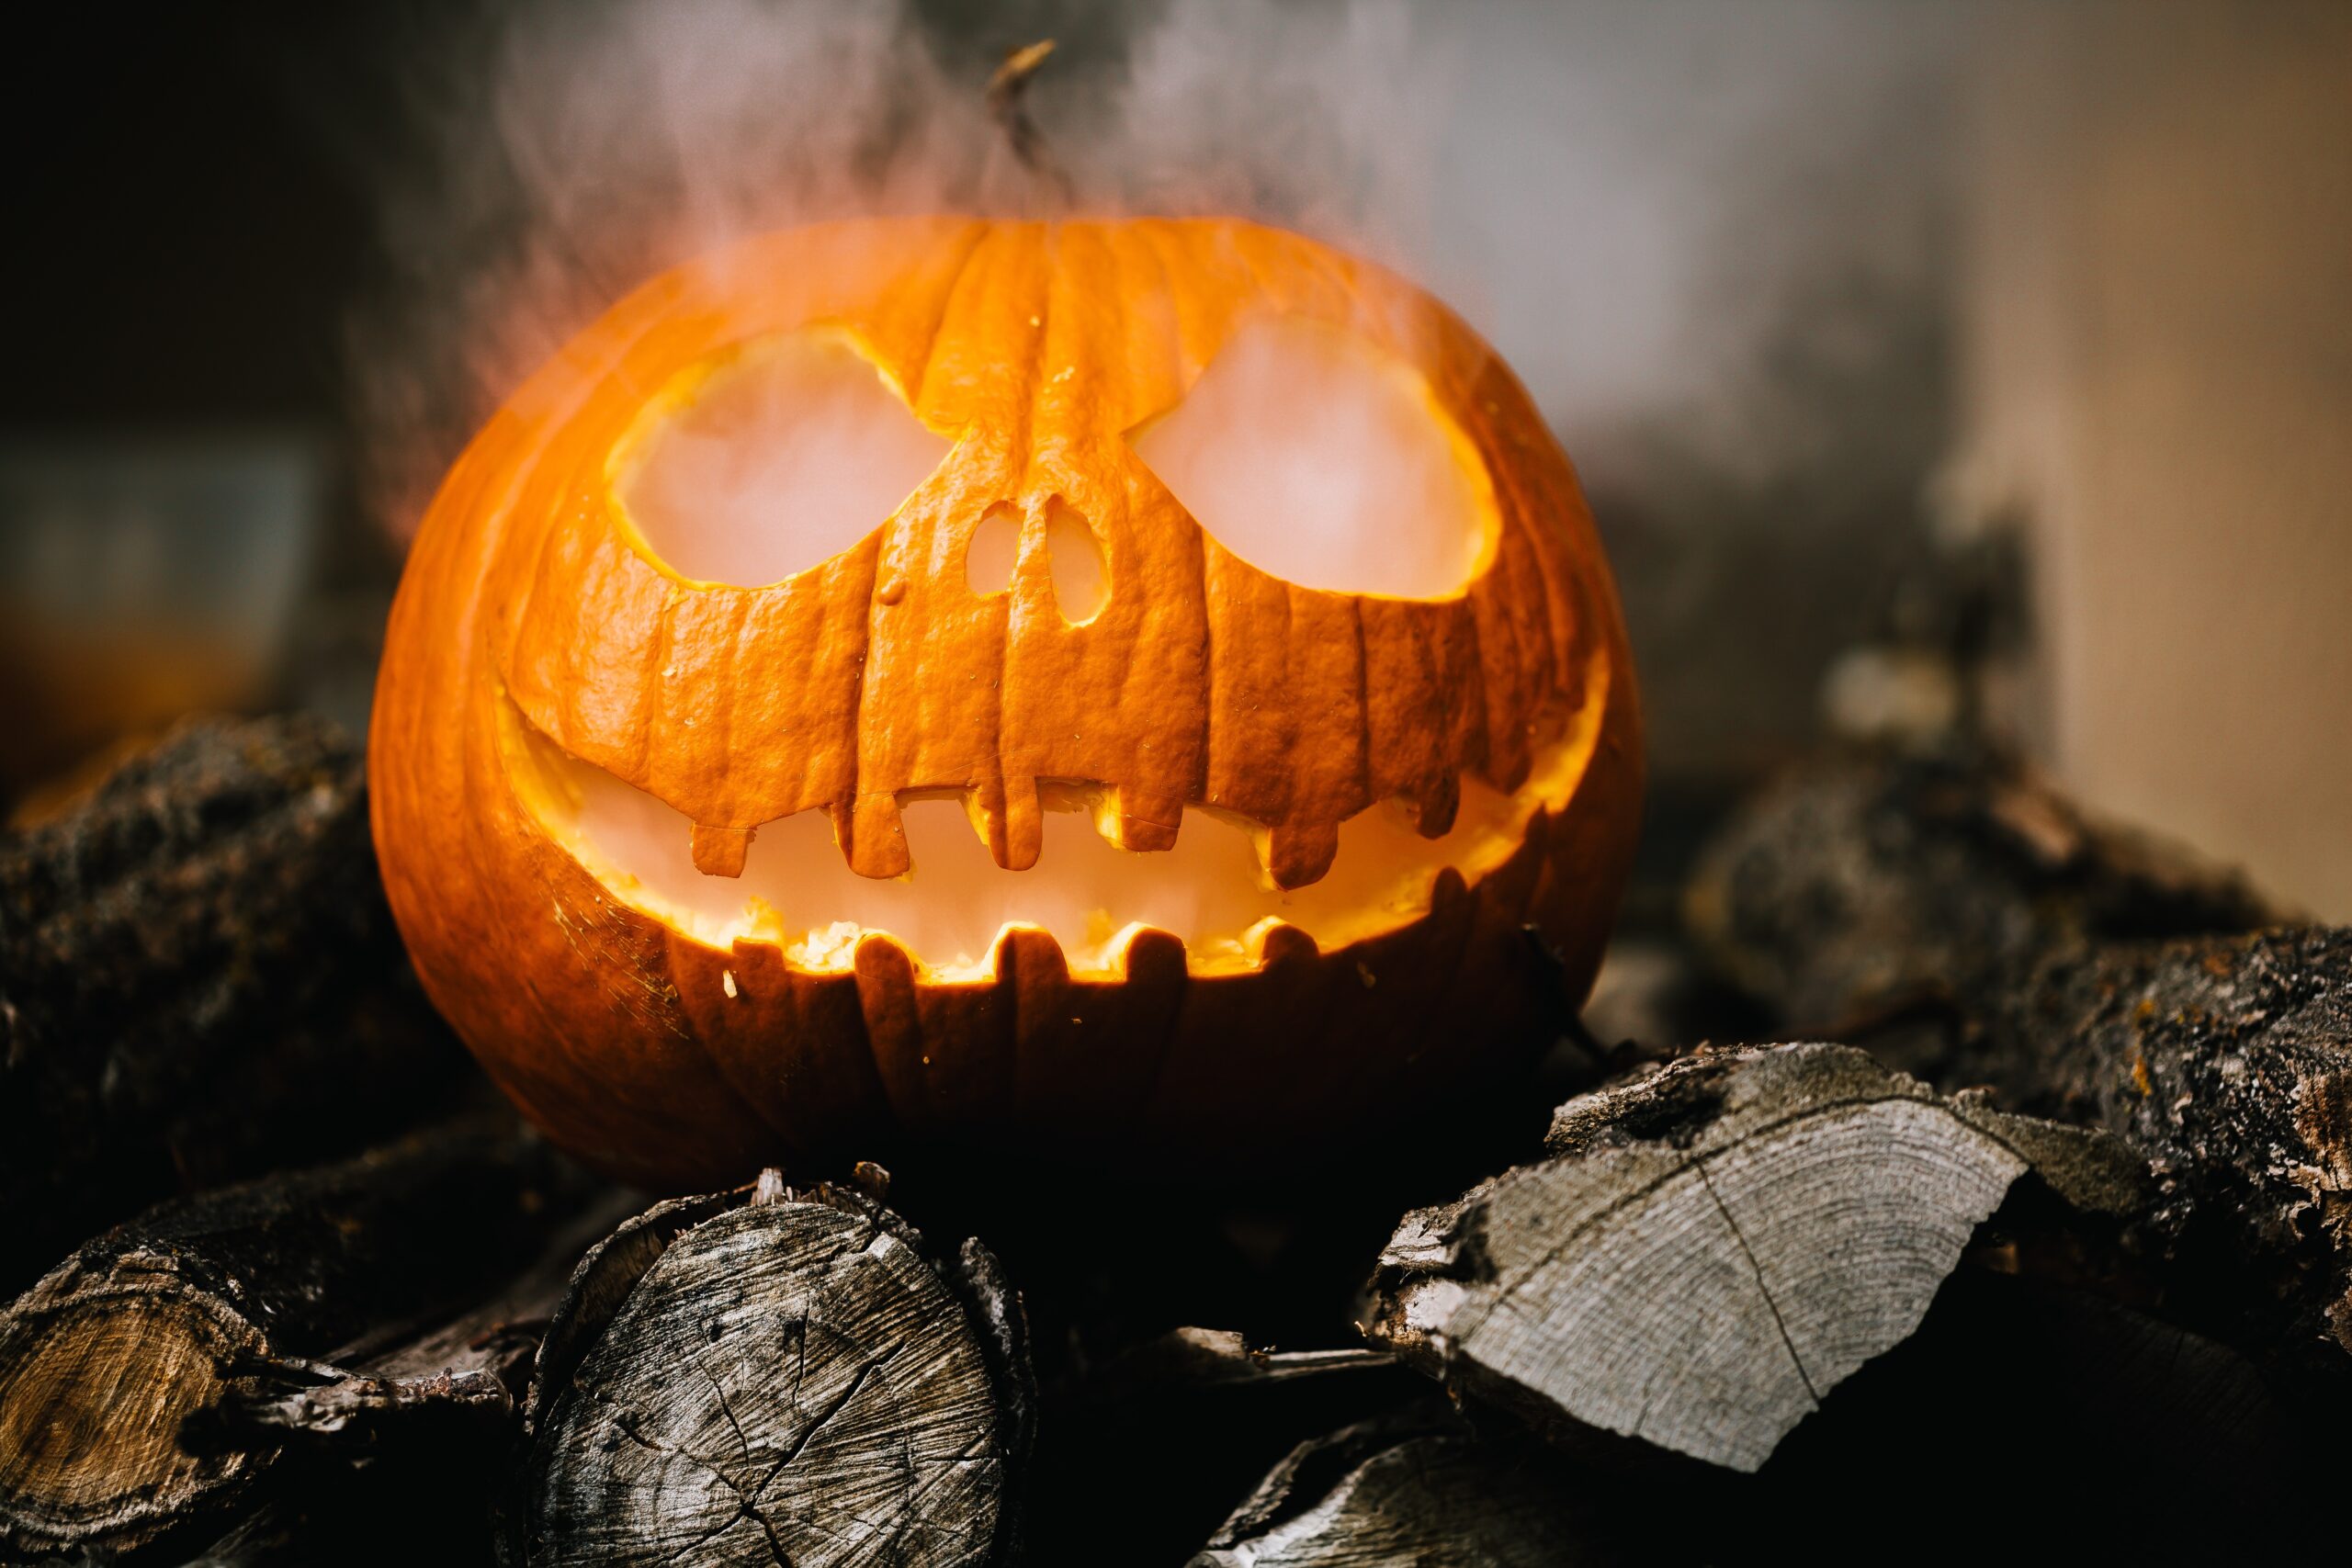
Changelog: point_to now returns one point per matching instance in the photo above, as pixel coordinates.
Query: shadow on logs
(776, 1376)
(199, 982)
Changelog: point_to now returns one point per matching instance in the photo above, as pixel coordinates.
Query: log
(199, 982)
(1865, 886)
(1150, 1449)
(151, 1384)
(1716, 1245)
(780, 1376)
(1417, 1488)
(2085, 974)
(2226, 1062)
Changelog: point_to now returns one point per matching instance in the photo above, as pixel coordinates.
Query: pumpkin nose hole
(1082, 579)
(995, 546)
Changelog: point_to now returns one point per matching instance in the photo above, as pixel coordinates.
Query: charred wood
(1865, 888)
(200, 981)
(2227, 1063)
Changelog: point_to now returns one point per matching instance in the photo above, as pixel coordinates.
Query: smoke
(1646, 206)
(557, 155)
(1324, 118)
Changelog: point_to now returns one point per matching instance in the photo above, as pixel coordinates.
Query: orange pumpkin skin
(673, 1063)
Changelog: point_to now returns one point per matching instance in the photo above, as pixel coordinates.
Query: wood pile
(2025, 1223)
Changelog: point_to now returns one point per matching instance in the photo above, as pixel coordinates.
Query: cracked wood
(1714, 1248)
(792, 1381)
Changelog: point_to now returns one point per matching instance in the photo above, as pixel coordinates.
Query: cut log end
(1716, 1246)
(788, 1381)
(93, 1388)
(141, 1379)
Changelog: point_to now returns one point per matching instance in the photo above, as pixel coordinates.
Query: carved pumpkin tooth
(1147, 822)
(875, 840)
(1025, 952)
(720, 852)
(1435, 807)
(1275, 941)
(1298, 853)
(1023, 836)
(1148, 956)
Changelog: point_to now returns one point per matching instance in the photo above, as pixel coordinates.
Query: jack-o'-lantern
(1151, 684)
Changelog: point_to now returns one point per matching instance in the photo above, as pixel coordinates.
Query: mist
(1561, 174)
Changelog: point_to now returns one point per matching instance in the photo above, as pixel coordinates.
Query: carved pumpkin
(1135, 682)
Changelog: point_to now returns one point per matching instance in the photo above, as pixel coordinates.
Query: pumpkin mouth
(1210, 890)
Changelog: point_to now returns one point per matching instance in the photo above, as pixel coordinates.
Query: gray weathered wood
(2083, 974)
(1716, 1245)
(1413, 1489)
(789, 1378)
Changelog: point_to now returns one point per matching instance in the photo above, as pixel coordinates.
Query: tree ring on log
(784, 1382)
(1716, 1245)
(95, 1381)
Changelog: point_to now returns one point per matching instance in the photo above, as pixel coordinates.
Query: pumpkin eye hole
(1320, 459)
(772, 460)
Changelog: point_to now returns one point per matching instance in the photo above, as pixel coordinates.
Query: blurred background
(1977, 366)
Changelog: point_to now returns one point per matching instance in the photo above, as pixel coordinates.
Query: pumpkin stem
(1008, 106)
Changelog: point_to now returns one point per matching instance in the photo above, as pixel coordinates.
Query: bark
(200, 981)
(1415, 1488)
(774, 1376)
(150, 1384)
(1712, 1247)
(2227, 1063)
(1863, 887)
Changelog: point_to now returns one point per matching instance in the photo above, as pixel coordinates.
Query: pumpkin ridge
(724, 1068)
(975, 234)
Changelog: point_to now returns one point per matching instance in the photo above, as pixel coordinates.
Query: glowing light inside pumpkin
(1080, 576)
(994, 549)
(750, 470)
(796, 890)
(1080, 579)
(1322, 460)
